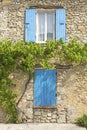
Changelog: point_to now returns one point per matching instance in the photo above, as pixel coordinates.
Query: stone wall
(12, 17)
(71, 93)
(71, 83)
(71, 97)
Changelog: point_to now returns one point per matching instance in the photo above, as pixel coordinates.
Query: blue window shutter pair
(45, 88)
(30, 24)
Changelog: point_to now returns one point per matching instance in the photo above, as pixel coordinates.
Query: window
(45, 88)
(45, 29)
(42, 25)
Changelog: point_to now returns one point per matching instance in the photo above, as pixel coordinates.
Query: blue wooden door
(30, 25)
(61, 24)
(45, 88)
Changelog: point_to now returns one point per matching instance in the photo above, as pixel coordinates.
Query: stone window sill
(45, 107)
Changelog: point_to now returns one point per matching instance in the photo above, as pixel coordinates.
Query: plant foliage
(82, 121)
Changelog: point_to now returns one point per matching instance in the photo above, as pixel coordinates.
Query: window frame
(47, 11)
(30, 24)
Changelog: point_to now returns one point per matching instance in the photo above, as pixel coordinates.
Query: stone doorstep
(40, 126)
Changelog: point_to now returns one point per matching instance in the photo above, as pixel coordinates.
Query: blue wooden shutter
(45, 88)
(30, 25)
(60, 24)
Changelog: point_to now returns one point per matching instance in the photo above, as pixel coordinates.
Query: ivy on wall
(26, 56)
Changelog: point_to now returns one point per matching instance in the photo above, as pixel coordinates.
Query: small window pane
(50, 26)
(41, 27)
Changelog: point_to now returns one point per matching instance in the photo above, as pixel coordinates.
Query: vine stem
(25, 87)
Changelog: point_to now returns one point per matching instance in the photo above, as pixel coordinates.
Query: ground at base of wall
(40, 127)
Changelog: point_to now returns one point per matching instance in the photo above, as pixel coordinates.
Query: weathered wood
(45, 107)
(45, 88)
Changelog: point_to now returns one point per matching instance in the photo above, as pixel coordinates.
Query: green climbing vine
(74, 52)
(26, 56)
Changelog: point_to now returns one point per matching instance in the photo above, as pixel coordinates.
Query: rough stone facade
(12, 14)
(71, 97)
(71, 83)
